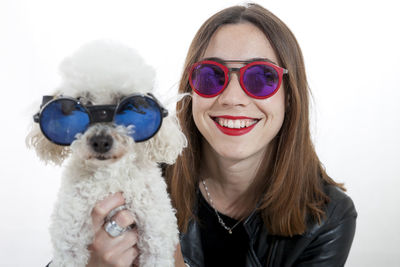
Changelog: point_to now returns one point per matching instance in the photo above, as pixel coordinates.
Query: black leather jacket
(326, 244)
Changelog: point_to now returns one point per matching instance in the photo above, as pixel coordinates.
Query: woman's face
(233, 107)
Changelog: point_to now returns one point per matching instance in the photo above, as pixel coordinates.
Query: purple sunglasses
(259, 79)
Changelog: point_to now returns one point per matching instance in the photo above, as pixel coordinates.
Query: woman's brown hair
(289, 187)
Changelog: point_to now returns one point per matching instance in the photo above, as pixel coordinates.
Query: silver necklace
(229, 229)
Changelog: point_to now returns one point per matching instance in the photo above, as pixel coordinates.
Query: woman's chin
(239, 153)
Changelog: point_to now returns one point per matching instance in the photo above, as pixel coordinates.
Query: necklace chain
(221, 222)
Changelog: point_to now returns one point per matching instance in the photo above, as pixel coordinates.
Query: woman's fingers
(124, 218)
(103, 207)
(126, 258)
(121, 249)
(107, 250)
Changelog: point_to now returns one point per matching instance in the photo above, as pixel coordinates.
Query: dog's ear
(168, 143)
(46, 150)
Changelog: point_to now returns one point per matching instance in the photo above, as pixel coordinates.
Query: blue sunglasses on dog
(62, 118)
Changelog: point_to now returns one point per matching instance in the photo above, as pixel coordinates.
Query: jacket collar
(253, 223)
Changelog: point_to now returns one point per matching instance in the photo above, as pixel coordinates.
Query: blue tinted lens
(143, 113)
(62, 119)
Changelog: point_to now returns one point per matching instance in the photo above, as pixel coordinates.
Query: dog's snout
(101, 143)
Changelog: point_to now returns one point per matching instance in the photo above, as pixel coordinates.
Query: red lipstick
(234, 131)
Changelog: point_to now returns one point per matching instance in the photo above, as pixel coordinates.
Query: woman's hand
(179, 257)
(113, 251)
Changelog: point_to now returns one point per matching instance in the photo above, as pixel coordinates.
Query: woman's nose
(233, 94)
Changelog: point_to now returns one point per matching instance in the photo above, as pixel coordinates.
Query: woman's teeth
(235, 124)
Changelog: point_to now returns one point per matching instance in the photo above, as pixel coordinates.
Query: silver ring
(114, 211)
(114, 230)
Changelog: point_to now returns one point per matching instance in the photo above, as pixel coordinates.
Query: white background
(351, 51)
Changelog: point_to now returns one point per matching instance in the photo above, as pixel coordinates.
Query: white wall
(351, 50)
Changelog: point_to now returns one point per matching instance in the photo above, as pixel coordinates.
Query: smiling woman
(219, 118)
(250, 190)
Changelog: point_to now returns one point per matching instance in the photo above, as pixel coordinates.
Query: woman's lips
(234, 125)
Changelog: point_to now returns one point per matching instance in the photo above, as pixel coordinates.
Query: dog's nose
(101, 143)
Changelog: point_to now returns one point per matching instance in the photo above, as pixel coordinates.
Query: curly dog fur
(101, 73)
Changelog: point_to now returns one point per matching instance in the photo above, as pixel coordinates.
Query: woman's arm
(179, 257)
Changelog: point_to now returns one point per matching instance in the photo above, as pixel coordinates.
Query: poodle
(104, 119)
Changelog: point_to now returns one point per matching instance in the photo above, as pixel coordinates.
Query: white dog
(103, 156)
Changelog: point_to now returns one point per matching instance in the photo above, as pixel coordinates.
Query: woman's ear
(46, 150)
(168, 143)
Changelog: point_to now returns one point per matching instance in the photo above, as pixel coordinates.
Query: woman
(249, 190)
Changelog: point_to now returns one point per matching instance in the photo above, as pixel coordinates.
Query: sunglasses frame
(227, 71)
(97, 113)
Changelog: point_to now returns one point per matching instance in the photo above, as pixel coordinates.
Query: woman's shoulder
(328, 242)
(339, 209)
(340, 205)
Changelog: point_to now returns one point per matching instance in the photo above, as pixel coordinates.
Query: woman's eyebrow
(217, 59)
(263, 59)
(220, 60)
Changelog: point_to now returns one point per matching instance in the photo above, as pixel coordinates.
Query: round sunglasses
(259, 79)
(62, 118)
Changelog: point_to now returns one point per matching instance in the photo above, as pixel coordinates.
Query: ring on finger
(114, 211)
(114, 230)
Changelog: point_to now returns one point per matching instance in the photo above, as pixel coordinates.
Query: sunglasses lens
(61, 120)
(141, 112)
(207, 79)
(261, 80)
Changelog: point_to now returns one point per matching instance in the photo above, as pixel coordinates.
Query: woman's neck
(228, 179)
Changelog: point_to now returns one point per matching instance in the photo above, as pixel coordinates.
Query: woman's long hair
(288, 188)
